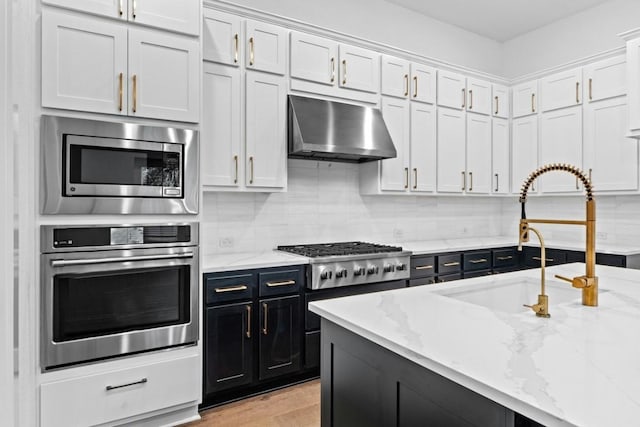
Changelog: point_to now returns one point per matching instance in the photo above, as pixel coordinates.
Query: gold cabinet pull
(248, 332)
(235, 159)
(135, 93)
(415, 84)
(504, 258)
(533, 102)
(464, 180)
(236, 42)
(120, 9)
(478, 261)
(281, 283)
(537, 258)
(344, 71)
(424, 267)
(251, 52)
(451, 264)
(497, 183)
(577, 90)
(464, 97)
(496, 98)
(406, 178)
(265, 309)
(231, 289)
(406, 85)
(133, 10)
(333, 69)
(415, 178)
(471, 100)
(120, 89)
(471, 179)
(251, 169)
(590, 89)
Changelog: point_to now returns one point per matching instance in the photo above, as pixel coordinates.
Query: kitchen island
(432, 355)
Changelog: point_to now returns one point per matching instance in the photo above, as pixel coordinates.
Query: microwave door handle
(64, 263)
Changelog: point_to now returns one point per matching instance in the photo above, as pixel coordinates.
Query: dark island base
(364, 384)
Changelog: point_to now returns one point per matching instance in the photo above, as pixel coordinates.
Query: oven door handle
(64, 262)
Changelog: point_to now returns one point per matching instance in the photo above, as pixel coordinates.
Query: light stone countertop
(248, 260)
(581, 367)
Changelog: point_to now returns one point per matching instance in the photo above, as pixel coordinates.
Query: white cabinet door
(500, 156)
(606, 79)
(525, 99)
(265, 47)
(164, 72)
(451, 151)
(220, 139)
(500, 101)
(423, 83)
(561, 90)
(111, 8)
(395, 172)
(182, 16)
(265, 128)
(84, 63)
(423, 147)
(395, 77)
(452, 90)
(313, 59)
(221, 39)
(524, 151)
(561, 142)
(359, 69)
(478, 154)
(478, 96)
(610, 158)
(633, 85)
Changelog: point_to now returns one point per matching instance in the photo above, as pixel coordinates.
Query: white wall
(383, 22)
(323, 204)
(581, 35)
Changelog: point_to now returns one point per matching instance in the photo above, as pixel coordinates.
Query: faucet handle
(578, 282)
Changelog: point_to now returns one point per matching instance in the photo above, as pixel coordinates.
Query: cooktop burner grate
(340, 248)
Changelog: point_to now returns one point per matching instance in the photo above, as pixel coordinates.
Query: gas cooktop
(337, 249)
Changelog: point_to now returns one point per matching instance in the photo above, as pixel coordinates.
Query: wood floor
(296, 406)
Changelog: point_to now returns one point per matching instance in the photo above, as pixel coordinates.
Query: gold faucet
(588, 282)
(542, 307)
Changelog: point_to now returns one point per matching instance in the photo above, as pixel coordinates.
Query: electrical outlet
(226, 242)
(601, 235)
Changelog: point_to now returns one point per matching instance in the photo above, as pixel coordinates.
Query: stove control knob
(358, 271)
(325, 275)
(388, 268)
(401, 267)
(341, 273)
(372, 269)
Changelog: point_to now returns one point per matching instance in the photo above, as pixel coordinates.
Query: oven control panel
(357, 272)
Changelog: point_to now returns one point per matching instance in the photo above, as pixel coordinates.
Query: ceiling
(500, 20)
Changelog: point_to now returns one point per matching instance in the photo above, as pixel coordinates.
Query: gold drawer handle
(135, 93)
(451, 264)
(344, 71)
(537, 258)
(282, 283)
(251, 52)
(236, 42)
(415, 81)
(120, 89)
(231, 289)
(496, 98)
(478, 261)
(504, 258)
(424, 267)
(333, 69)
(533, 102)
(406, 85)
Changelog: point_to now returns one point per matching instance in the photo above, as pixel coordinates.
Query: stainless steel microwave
(91, 166)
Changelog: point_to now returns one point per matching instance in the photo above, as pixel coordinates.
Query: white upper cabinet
(561, 142)
(452, 90)
(221, 38)
(313, 58)
(395, 77)
(610, 158)
(633, 81)
(395, 172)
(606, 79)
(423, 83)
(182, 16)
(500, 101)
(524, 151)
(478, 96)
(478, 154)
(525, 99)
(359, 69)
(500, 156)
(265, 47)
(452, 177)
(561, 90)
(423, 148)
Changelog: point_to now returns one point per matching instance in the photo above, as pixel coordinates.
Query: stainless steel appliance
(91, 166)
(111, 290)
(352, 263)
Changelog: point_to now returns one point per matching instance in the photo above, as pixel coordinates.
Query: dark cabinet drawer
(503, 258)
(423, 266)
(228, 288)
(450, 263)
(480, 260)
(422, 281)
(613, 260)
(552, 257)
(280, 281)
(476, 273)
(449, 277)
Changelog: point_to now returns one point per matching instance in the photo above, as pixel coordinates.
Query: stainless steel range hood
(328, 130)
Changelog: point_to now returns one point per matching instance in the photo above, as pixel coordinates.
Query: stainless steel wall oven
(111, 290)
(92, 166)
